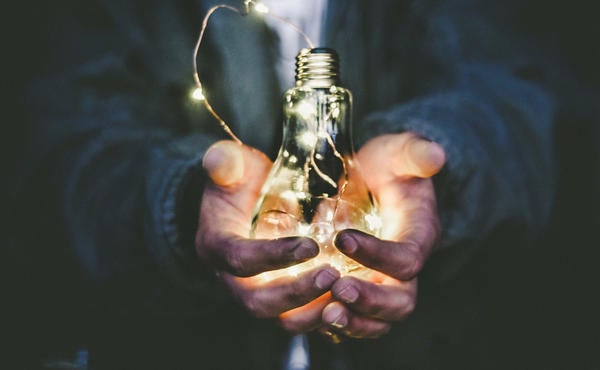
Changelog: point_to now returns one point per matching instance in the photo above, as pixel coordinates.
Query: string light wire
(249, 5)
(198, 94)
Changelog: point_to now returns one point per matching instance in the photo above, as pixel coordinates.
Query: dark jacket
(109, 179)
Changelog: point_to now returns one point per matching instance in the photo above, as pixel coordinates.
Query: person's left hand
(398, 170)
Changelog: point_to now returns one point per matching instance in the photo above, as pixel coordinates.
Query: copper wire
(248, 4)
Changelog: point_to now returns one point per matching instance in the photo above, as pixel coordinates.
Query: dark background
(549, 311)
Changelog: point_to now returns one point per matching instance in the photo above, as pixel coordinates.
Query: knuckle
(234, 260)
(253, 306)
(367, 303)
(376, 309)
(249, 303)
(297, 295)
(350, 290)
(414, 267)
(381, 332)
(413, 262)
(408, 305)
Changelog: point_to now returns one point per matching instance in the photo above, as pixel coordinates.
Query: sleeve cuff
(174, 193)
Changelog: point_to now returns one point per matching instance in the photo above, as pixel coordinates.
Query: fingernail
(326, 278)
(305, 250)
(346, 243)
(334, 316)
(348, 294)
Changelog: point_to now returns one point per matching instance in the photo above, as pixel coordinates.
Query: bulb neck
(317, 68)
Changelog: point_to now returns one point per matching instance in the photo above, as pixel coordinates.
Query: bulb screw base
(317, 68)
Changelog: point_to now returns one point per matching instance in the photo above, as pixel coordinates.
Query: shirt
(309, 16)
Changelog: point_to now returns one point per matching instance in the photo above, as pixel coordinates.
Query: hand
(398, 170)
(237, 173)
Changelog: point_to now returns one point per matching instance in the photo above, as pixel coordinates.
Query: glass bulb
(315, 187)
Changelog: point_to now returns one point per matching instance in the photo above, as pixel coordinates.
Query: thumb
(224, 163)
(237, 173)
(405, 154)
(421, 158)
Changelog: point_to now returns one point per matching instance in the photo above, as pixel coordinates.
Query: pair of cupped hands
(398, 170)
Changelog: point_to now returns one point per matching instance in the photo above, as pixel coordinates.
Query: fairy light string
(198, 94)
(249, 5)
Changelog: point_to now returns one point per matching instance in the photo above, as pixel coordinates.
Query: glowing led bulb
(305, 109)
(197, 94)
(261, 8)
(314, 188)
(307, 139)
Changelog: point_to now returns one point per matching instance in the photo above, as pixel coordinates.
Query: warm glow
(306, 110)
(294, 270)
(288, 195)
(335, 113)
(373, 221)
(335, 110)
(197, 94)
(293, 195)
(261, 8)
(308, 139)
(303, 229)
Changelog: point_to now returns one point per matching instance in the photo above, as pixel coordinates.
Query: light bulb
(315, 188)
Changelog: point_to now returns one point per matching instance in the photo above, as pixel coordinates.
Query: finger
(400, 260)
(405, 154)
(270, 299)
(422, 158)
(226, 208)
(305, 318)
(224, 163)
(228, 163)
(408, 210)
(391, 301)
(228, 202)
(248, 257)
(342, 320)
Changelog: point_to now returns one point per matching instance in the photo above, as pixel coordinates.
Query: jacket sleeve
(484, 99)
(108, 144)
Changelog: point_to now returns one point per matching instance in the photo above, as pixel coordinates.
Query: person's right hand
(237, 173)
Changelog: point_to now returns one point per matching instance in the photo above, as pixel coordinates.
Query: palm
(397, 169)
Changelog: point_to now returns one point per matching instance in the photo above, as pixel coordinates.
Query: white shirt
(309, 15)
